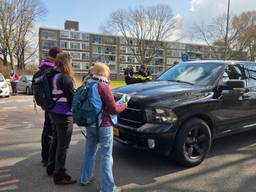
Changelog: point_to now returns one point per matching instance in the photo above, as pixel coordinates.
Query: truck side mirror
(234, 85)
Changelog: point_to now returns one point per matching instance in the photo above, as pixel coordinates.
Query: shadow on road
(229, 167)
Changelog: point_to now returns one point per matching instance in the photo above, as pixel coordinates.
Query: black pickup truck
(188, 106)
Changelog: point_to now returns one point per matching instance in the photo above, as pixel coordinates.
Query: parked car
(25, 84)
(187, 107)
(4, 87)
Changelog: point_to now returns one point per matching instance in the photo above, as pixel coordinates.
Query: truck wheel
(192, 143)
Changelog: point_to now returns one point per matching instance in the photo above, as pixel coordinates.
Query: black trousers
(14, 88)
(46, 137)
(61, 131)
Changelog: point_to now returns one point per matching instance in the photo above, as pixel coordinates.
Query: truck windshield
(192, 73)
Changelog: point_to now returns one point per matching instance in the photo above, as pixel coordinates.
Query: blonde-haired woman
(61, 117)
(102, 98)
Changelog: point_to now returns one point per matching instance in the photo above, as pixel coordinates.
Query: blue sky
(92, 13)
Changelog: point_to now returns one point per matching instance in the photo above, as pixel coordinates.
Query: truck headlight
(161, 115)
(4, 86)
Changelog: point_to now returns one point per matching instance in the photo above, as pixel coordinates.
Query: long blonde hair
(63, 62)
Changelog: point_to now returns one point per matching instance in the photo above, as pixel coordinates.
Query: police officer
(128, 73)
(142, 75)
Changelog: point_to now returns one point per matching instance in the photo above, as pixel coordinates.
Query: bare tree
(241, 36)
(214, 34)
(16, 22)
(245, 40)
(143, 29)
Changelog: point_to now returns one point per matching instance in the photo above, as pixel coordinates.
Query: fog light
(151, 143)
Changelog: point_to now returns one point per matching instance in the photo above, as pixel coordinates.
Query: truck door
(234, 109)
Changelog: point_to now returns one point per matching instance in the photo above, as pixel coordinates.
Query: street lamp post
(227, 29)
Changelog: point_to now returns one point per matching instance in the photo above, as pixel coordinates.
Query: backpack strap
(97, 117)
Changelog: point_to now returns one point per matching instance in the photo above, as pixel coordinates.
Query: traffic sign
(184, 57)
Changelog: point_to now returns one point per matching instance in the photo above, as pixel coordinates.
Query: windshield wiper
(180, 81)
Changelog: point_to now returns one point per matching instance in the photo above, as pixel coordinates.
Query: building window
(74, 35)
(159, 53)
(47, 44)
(123, 59)
(75, 55)
(131, 59)
(74, 45)
(112, 68)
(44, 55)
(64, 44)
(122, 67)
(85, 36)
(122, 50)
(176, 54)
(96, 49)
(109, 50)
(49, 35)
(123, 41)
(129, 50)
(85, 66)
(96, 39)
(85, 56)
(158, 62)
(85, 46)
(64, 34)
(76, 66)
(96, 58)
(108, 40)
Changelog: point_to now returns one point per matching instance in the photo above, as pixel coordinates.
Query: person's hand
(125, 105)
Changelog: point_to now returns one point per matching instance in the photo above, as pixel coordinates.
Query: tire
(192, 143)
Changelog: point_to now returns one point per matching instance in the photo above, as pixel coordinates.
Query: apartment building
(88, 48)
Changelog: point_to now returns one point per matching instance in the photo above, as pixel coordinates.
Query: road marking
(13, 181)
(5, 176)
(29, 126)
(5, 170)
(7, 108)
(8, 126)
(22, 100)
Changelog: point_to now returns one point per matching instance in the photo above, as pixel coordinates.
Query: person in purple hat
(45, 66)
(62, 88)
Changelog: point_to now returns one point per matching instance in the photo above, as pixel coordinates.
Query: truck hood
(163, 93)
(154, 88)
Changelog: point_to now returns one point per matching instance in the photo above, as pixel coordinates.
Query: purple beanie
(54, 51)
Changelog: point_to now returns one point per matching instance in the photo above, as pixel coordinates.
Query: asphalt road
(230, 166)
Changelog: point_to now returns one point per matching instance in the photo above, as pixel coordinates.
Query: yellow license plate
(116, 132)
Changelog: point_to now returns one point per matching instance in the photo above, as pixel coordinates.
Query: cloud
(177, 34)
(194, 3)
(204, 11)
(211, 8)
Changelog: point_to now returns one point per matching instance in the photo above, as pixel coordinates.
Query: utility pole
(227, 29)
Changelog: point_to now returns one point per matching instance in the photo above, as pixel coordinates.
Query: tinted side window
(22, 78)
(251, 74)
(234, 72)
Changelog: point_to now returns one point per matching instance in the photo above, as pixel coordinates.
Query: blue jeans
(106, 160)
